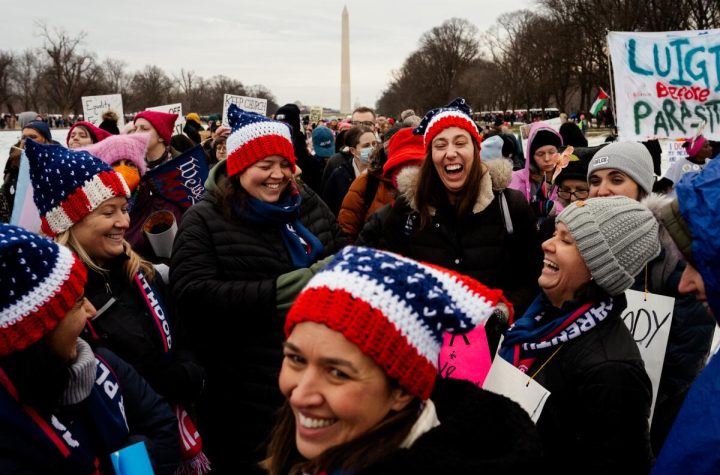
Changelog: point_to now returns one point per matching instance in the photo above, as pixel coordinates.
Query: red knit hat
(96, 133)
(404, 148)
(162, 122)
(40, 281)
(255, 137)
(455, 114)
(394, 309)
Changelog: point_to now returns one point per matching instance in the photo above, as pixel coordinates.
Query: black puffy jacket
(223, 276)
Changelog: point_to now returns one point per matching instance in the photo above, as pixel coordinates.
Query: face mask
(365, 155)
(131, 175)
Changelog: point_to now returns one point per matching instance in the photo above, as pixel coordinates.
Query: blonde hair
(132, 265)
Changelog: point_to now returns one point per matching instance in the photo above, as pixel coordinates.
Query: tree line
(552, 56)
(56, 76)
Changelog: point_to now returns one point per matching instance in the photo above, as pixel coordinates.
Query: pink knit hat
(694, 144)
(122, 147)
(96, 133)
(162, 122)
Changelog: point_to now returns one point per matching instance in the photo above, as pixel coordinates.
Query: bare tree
(117, 79)
(7, 63)
(70, 72)
(149, 87)
(262, 92)
(27, 80)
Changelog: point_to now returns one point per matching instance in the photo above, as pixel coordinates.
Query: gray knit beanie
(631, 158)
(616, 237)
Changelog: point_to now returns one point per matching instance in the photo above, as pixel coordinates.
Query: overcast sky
(290, 46)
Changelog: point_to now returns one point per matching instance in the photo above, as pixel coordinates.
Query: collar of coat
(496, 176)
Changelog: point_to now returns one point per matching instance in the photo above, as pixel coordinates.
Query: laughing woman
(455, 211)
(254, 232)
(573, 341)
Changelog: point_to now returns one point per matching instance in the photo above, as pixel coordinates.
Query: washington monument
(345, 64)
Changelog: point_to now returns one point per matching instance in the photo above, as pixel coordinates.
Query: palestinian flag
(599, 103)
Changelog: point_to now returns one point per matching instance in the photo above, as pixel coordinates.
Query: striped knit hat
(40, 281)
(68, 185)
(394, 309)
(616, 237)
(455, 114)
(255, 137)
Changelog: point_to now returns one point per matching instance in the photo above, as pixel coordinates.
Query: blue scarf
(303, 246)
(534, 334)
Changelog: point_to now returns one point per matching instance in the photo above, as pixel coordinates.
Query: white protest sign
(252, 104)
(553, 123)
(675, 150)
(649, 324)
(95, 106)
(172, 109)
(666, 83)
(506, 379)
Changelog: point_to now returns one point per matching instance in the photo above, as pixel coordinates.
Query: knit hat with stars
(394, 309)
(40, 281)
(456, 114)
(255, 137)
(68, 185)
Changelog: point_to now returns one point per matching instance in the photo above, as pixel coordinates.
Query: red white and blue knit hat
(68, 185)
(255, 137)
(40, 281)
(394, 309)
(456, 114)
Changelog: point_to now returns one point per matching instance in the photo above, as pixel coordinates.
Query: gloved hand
(320, 265)
(289, 285)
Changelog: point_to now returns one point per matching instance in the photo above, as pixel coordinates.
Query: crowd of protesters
(286, 314)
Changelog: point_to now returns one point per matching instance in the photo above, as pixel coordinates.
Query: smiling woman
(573, 341)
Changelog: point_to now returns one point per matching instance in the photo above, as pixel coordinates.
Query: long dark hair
(431, 193)
(230, 194)
(350, 457)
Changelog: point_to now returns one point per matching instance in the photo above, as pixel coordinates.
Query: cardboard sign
(95, 106)
(252, 104)
(172, 109)
(649, 324)
(316, 115)
(554, 123)
(675, 150)
(506, 379)
(666, 83)
(25, 214)
(465, 356)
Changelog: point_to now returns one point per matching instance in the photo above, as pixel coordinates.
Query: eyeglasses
(579, 194)
(366, 123)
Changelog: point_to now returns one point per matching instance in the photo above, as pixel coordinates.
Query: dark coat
(125, 326)
(479, 433)
(336, 186)
(148, 416)
(223, 277)
(596, 418)
(477, 245)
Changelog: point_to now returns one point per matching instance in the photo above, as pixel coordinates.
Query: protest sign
(182, 179)
(95, 106)
(648, 319)
(554, 123)
(316, 115)
(506, 379)
(252, 104)
(465, 356)
(675, 151)
(172, 109)
(666, 84)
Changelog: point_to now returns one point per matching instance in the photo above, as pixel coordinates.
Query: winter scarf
(539, 332)
(303, 246)
(73, 444)
(541, 203)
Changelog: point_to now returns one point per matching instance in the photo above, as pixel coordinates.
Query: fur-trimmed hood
(496, 176)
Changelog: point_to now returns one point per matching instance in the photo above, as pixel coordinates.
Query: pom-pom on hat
(255, 137)
(121, 147)
(40, 281)
(68, 185)
(96, 133)
(455, 114)
(394, 309)
(616, 237)
(162, 122)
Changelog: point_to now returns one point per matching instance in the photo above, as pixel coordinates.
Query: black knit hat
(544, 137)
